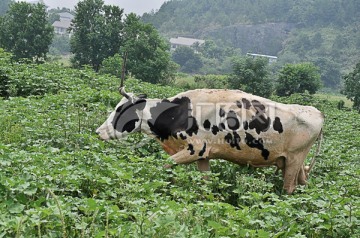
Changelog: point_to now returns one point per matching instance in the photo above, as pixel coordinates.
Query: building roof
(62, 24)
(185, 41)
(260, 55)
(66, 15)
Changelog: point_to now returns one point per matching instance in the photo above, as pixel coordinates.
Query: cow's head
(125, 119)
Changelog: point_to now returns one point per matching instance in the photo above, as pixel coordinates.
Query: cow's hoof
(206, 177)
(290, 190)
(168, 166)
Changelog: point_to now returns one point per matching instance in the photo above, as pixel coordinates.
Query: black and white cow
(204, 124)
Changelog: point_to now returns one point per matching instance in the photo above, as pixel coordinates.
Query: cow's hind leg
(302, 176)
(294, 172)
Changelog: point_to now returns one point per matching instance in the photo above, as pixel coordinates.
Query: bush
(112, 65)
(211, 81)
(252, 76)
(298, 78)
(352, 87)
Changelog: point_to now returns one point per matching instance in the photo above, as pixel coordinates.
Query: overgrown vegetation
(57, 179)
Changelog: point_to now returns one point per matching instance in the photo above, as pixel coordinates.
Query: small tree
(251, 75)
(297, 78)
(97, 32)
(60, 45)
(25, 31)
(352, 86)
(330, 72)
(188, 60)
(148, 56)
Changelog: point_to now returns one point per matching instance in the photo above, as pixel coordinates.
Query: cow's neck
(146, 116)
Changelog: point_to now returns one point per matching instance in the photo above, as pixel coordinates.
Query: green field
(335, 98)
(57, 179)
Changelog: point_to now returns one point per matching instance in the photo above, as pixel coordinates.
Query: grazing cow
(204, 124)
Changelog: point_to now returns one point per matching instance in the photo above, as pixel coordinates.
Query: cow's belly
(244, 156)
(220, 149)
(264, 150)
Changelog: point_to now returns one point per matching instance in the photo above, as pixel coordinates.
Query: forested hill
(191, 16)
(296, 30)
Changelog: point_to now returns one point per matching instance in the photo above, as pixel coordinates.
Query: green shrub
(298, 78)
(352, 87)
(112, 65)
(252, 76)
(211, 81)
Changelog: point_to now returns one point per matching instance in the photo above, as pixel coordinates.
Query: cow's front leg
(184, 157)
(203, 165)
(194, 153)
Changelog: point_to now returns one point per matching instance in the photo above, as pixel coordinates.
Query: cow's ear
(142, 96)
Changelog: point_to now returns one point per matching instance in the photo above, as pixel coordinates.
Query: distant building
(61, 27)
(272, 59)
(183, 41)
(65, 16)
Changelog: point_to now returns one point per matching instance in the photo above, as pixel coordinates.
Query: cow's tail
(319, 142)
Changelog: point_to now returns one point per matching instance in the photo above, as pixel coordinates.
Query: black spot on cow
(125, 117)
(207, 125)
(260, 122)
(228, 138)
(142, 95)
(246, 125)
(202, 151)
(221, 126)
(193, 128)
(169, 118)
(278, 125)
(258, 144)
(233, 140)
(183, 137)
(221, 112)
(232, 121)
(238, 104)
(258, 105)
(191, 149)
(215, 129)
(236, 141)
(120, 108)
(246, 103)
